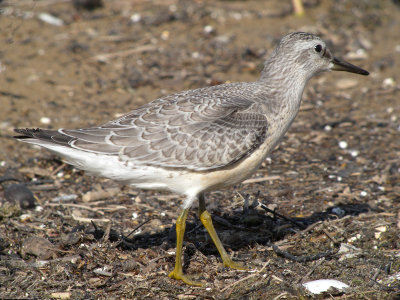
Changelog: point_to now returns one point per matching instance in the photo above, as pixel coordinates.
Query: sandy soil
(335, 175)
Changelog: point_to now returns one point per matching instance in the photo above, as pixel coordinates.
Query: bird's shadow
(236, 230)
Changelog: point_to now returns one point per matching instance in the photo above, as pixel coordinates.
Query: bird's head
(310, 54)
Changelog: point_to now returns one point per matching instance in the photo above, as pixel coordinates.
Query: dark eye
(318, 48)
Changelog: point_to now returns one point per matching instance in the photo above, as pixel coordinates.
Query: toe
(234, 265)
(184, 278)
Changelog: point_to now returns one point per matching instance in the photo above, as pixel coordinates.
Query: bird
(199, 140)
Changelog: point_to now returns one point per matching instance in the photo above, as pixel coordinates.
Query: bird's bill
(341, 65)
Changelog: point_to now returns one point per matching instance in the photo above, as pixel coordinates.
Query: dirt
(333, 182)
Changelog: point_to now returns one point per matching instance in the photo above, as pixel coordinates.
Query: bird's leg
(205, 218)
(177, 273)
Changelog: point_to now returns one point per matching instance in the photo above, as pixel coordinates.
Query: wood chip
(265, 178)
(100, 194)
(61, 295)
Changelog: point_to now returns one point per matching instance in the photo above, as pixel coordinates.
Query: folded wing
(178, 131)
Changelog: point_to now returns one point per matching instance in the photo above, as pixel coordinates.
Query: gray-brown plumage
(199, 140)
(197, 130)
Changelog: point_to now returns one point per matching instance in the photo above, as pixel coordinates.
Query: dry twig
(246, 278)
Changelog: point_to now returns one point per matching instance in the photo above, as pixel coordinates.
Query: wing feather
(197, 130)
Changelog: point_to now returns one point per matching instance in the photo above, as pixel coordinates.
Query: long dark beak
(341, 65)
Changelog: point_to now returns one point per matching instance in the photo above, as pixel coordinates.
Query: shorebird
(199, 140)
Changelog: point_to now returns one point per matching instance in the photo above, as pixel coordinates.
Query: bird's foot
(228, 262)
(178, 275)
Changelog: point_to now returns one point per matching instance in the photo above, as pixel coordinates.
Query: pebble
(354, 153)
(208, 29)
(359, 54)
(50, 19)
(165, 35)
(71, 238)
(323, 285)
(25, 218)
(338, 211)
(45, 120)
(135, 18)
(39, 247)
(105, 271)
(20, 194)
(354, 238)
(348, 251)
(367, 44)
(343, 144)
(346, 248)
(346, 83)
(388, 83)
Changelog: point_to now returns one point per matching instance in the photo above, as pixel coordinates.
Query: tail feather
(52, 136)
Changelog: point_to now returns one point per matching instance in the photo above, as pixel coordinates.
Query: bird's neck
(285, 83)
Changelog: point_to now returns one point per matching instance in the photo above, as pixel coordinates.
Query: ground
(333, 182)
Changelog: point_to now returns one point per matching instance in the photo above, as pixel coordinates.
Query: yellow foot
(234, 265)
(180, 276)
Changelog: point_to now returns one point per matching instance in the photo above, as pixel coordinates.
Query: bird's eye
(318, 48)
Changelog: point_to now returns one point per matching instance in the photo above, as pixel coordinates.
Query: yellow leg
(298, 8)
(177, 273)
(205, 218)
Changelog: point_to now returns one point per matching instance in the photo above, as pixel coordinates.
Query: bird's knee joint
(180, 222)
(205, 215)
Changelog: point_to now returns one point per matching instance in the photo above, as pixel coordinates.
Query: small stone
(20, 194)
(104, 271)
(358, 54)
(343, 145)
(39, 247)
(388, 83)
(45, 120)
(135, 18)
(95, 282)
(338, 211)
(323, 285)
(25, 218)
(71, 238)
(165, 35)
(208, 29)
(354, 153)
(49, 19)
(381, 228)
(346, 83)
